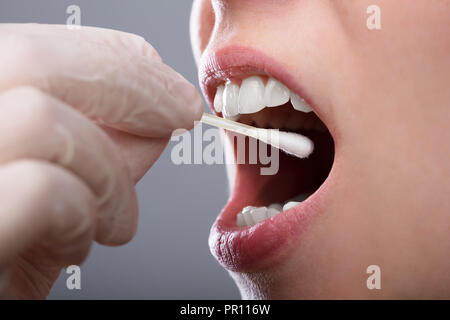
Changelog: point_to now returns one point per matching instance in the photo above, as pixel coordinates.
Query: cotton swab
(292, 143)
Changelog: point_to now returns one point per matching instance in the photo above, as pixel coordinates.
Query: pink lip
(264, 244)
(234, 62)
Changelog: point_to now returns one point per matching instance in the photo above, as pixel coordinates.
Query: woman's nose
(202, 25)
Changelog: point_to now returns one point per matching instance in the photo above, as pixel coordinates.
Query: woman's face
(384, 96)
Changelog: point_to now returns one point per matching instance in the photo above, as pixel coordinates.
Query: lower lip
(267, 243)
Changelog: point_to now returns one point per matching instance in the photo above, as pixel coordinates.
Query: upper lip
(234, 61)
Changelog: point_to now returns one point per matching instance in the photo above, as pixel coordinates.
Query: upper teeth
(276, 93)
(230, 100)
(253, 96)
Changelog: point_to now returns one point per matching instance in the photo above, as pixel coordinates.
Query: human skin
(384, 96)
(83, 115)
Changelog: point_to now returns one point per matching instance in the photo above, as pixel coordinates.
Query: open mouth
(265, 102)
(265, 213)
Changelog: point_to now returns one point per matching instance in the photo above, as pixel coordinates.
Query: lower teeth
(250, 215)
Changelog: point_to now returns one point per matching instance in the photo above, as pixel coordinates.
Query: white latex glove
(83, 115)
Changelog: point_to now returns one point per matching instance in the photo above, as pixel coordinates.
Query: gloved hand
(83, 115)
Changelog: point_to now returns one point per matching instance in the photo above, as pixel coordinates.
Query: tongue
(295, 176)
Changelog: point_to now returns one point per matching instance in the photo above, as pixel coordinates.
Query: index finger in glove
(113, 77)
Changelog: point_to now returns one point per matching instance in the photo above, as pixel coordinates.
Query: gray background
(169, 258)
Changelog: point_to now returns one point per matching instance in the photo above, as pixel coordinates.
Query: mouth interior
(296, 178)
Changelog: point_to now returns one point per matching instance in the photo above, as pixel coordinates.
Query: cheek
(393, 82)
